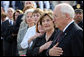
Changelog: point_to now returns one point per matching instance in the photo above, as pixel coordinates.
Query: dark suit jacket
(19, 5)
(71, 41)
(18, 22)
(81, 24)
(4, 27)
(6, 40)
(9, 41)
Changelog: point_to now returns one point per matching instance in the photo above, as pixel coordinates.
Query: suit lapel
(66, 33)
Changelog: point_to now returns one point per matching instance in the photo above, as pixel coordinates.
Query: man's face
(28, 3)
(10, 13)
(58, 17)
(78, 17)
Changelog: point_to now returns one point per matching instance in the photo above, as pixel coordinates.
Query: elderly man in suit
(71, 39)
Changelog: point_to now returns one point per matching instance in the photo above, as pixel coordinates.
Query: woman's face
(36, 16)
(40, 28)
(16, 15)
(29, 18)
(47, 23)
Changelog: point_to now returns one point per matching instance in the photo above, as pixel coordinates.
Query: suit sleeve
(77, 43)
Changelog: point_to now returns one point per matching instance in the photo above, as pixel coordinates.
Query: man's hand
(55, 51)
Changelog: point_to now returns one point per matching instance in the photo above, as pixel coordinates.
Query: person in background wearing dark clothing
(11, 35)
(19, 5)
(79, 17)
(7, 40)
(3, 16)
(14, 33)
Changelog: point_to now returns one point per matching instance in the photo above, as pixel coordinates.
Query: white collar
(10, 21)
(68, 25)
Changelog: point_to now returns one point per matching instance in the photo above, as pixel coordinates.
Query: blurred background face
(78, 17)
(10, 13)
(28, 3)
(47, 23)
(2, 10)
(16, 15)
(40, 28)
(36, 17)
(29, 18)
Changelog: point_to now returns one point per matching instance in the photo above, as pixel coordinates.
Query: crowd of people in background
(32, 28)
(39, 4)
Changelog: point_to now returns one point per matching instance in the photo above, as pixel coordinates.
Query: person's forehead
(29, 13)
(10, 10)
(36, 13)
(28, 2)
(46, 17)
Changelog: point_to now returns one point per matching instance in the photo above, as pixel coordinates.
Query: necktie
(11, 22)
(57, 39)
(59, 36)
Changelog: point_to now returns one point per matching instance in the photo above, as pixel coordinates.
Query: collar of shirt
(10, 21)
(68, 25)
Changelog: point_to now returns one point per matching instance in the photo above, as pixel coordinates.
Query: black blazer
(81, 24)
(6, 40)
(39, 41)
(5, 25)
(72, 41)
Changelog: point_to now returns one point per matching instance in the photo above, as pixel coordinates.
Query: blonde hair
(27, 7)
(38, 10)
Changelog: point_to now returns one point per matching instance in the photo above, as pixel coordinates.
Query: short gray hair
(26, 12)
(66, 8)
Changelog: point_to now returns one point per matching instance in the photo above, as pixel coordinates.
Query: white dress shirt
(11, 21)
(30, 32)
(68, 25)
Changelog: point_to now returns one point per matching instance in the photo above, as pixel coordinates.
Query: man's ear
(67, 16)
